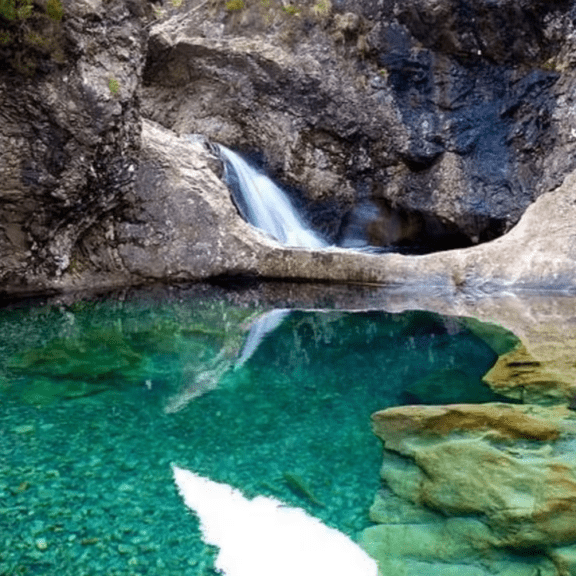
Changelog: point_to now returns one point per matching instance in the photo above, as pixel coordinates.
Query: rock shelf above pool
(484, 487)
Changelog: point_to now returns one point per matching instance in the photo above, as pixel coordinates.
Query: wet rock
(183, 226)
(182, 223)
(259, 93)
(518, 374)
(499, 476)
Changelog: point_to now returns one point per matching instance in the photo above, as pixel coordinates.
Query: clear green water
(99, 397)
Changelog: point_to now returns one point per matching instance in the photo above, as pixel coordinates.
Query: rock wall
(70, 140)
(396, 116)
(455, 114)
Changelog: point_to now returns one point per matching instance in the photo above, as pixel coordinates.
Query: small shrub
(33, 38)
(177, 3)
(235, 5)
(54, 9)
(113, 85)
(292, 10)
(31, 35)
(15, 9)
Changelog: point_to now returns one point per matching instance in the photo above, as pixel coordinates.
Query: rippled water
(100, 396)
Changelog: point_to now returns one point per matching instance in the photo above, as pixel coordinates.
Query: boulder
(501, 477)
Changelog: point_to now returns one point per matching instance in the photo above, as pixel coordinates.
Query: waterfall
(265, 205)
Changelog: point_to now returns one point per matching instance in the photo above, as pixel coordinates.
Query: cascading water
(265, 205)
(368, 227)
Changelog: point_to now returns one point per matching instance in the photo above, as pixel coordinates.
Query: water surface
(100, 396)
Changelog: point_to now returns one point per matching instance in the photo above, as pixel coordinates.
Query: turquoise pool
(100, 396)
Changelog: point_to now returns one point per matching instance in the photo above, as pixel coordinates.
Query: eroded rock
(70, 138)
(443, 110)
(503, 473)
(88, 201)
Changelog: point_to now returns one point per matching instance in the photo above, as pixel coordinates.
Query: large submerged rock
(496, 481)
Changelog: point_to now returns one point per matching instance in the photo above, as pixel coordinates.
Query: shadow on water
(100, 396)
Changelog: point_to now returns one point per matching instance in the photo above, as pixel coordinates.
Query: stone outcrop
(415, 118)
(70, 138)
(500, 476)
(179, 224)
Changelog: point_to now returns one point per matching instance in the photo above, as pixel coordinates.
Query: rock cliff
(450, 117)
(414, 120)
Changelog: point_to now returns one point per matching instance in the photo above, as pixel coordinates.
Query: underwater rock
(410, 540)
(504, 471)
(533, 333)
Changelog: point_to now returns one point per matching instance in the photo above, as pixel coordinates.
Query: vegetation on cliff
(31, 34)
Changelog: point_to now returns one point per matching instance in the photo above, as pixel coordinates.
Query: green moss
(15, 9)
(292, 10)
(235, 5)
(113, 86)
(31, 34)
(54, 9)
(322, 8)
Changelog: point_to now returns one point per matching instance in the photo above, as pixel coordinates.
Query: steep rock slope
(395, 116)
(416, 118)
(70, 138)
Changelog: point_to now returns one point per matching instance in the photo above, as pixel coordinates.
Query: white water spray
(267, 207)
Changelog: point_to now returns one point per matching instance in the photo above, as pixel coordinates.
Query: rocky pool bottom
(101, 395)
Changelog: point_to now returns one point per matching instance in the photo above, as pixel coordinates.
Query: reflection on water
(263, 536)
(99, 397)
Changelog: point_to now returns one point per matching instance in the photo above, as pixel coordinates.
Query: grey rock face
(449, 111)
(70, 137)
(384, 115)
